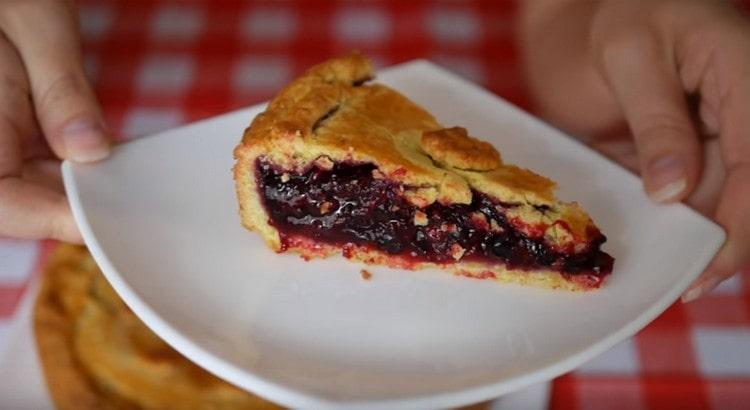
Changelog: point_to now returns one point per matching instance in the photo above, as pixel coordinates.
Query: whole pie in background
(338, 165)
(96, 354)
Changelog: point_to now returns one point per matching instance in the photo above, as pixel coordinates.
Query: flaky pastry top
(332, 112)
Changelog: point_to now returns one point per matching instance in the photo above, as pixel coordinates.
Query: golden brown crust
(327, 114)
(65, 281)
(96, 354)
(455, 148)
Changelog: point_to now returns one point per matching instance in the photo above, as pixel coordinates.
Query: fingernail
(667, 173)
(700, 290)
(692, 294)
(669, 192)
(85, 140)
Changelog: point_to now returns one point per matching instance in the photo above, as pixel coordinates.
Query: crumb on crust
(324, 162)
(420, 218)
(326, 207)
(457, 251)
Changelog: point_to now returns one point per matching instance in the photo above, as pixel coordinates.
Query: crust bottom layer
(549, 279)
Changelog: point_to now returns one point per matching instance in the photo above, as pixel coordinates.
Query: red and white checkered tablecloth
(157, 64)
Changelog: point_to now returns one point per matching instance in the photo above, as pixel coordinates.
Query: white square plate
(160, 217)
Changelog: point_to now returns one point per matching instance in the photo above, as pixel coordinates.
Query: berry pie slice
(338, 165)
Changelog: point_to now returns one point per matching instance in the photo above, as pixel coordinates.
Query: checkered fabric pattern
(158, 64)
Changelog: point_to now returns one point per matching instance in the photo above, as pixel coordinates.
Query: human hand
(640, 60)
(48, 112)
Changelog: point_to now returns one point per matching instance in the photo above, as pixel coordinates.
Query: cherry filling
(347, 204)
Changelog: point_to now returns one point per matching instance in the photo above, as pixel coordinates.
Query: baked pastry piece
(96, 354)
(338, 165)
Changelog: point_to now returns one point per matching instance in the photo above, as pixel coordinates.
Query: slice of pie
(338, 165)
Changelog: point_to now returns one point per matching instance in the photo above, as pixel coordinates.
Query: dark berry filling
(347, 204)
